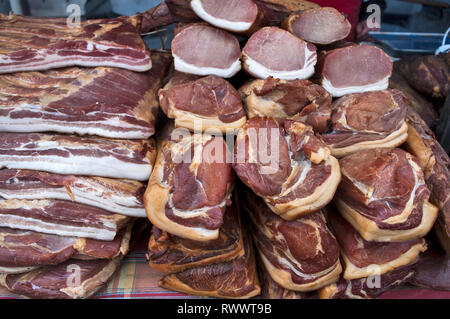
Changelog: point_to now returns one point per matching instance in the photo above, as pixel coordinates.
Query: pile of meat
(75, 151)
(283, 163)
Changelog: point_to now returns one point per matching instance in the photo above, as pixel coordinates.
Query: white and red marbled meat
(205, 50)
(299, 255)
(367, 120)
(282, 99)
(59, 217)
(384, 196)
(60, 282)
(191, 184)
(120, 196)
(355, 69)
(320, 26)
(367, 288)
(22, 249)
(370, 258)
(287, 165)
(109, 102)
(31, 44)
(202, 103)
(275, 52)
(64, 154)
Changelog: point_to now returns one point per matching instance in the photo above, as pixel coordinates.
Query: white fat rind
(80, 165)
(185, 67)
(233, 26)
(260, 71)
(337, 92)
(26, 223)
(124, 205)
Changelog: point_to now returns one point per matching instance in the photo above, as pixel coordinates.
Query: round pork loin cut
(363, 258)
(202, 104)
(231, 15)
(355, 69)
(299, 100)
(367, 120)
(204, 50)
(287, 165)
(384, 196)
(319, 25)
(275, 52)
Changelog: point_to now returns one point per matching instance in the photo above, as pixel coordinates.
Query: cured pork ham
(63, 154)
(361, 121)
(320, 26)
(33, 44)
(299, 255)
(109, 102)
(281, 99)
(61, 218)
(235, 279)
(384, 196)
(363, 258)
(435, 164)
(275, 52)
(287, 165)
(204, 50)
(171, 253)
(354, 69)
(191, 184)
(120, 196)
(208, 103)
(59, 282)
(367, 288)
(21, 250)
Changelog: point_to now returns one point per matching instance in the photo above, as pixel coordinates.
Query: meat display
(281, 99)
(202, 104)
(64, 154)
(171, 254)
(320, 26)
(383, 195)
(232, 279)
(109, 102)
(60, 282)
(120, 196)
(275, 52)
(363, 258)
(367, 288)
(287, 165)
(22, 249)
(62, 218)
(362, 121)
(300, 255)
(234, 15)
(436, 167)
(355, 69)
(191, 184)
(33, 44)
(428, 74)
(204, 50)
